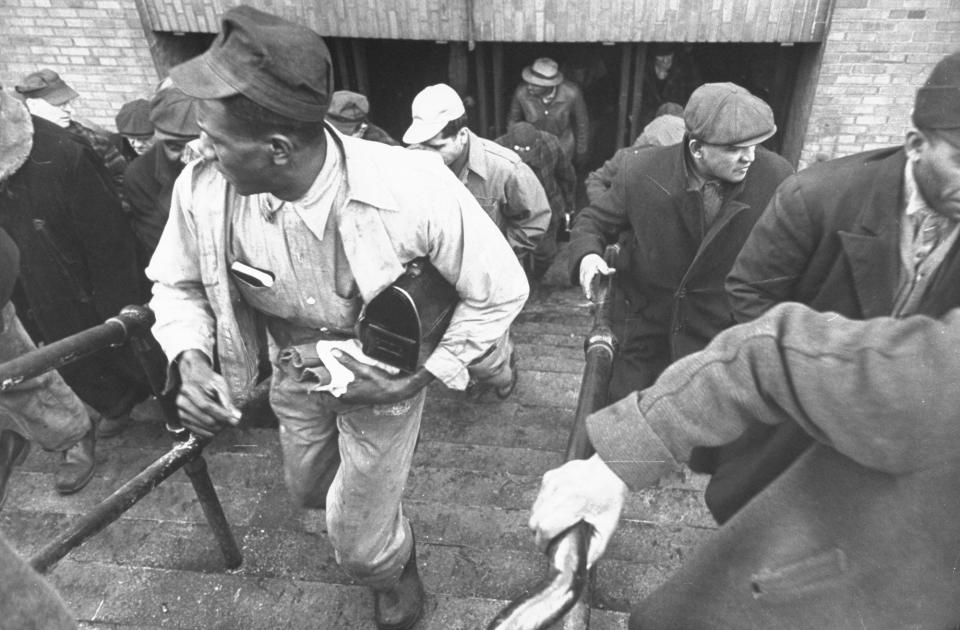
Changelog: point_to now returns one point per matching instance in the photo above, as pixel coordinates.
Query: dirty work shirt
(386, 220)
(297, 243)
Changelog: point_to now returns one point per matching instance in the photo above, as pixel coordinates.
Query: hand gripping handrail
(563, 593)
(132, 326)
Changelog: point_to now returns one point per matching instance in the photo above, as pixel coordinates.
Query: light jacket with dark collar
(670, 299)
(831, 240)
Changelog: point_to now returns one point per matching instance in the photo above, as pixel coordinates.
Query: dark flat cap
(174, 115)
(727, 114)
(280, 65)
(938, 101)
(133, 119)
(48, 85)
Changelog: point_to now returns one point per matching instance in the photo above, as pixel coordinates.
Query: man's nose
(749, 154)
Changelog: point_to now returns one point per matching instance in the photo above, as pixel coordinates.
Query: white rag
(340, 376)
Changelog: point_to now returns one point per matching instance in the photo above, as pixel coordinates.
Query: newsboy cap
(938, 101)
(174, 115)
(727, 114)
(280, 65)
(48, 85)
(133, 119)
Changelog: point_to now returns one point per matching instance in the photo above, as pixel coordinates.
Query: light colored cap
(432, 109)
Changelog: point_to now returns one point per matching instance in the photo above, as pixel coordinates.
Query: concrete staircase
(475, 475)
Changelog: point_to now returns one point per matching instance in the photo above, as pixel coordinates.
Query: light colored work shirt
(398, 206)
(508, 191)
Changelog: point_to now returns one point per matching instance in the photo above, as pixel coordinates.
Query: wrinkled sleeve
(468, 249)
(527, 209)
(876, 391)
(185, 320)
(775, 255)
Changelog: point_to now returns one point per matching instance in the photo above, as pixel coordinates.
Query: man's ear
(914, 144)
(696, 148)
(281, 148)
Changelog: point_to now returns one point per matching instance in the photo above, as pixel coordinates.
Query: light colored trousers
(354, 461)
(43, 409)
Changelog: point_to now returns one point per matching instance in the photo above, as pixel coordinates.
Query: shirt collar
(346, 162)
(476, 156)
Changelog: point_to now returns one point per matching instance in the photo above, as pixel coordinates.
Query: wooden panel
(526, 20)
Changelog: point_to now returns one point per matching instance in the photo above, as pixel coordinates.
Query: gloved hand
(591, 266)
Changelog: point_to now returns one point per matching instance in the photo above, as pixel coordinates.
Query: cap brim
(197, 78)
(61, 95)
(755, 141)
(421, 131)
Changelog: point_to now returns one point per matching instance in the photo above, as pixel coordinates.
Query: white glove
(590, 266)
(580, 490)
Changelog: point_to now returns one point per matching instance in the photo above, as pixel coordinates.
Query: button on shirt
(925, 239)
(297, 242)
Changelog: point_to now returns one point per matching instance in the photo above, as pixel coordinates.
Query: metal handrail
(131, 325)
(564, 591)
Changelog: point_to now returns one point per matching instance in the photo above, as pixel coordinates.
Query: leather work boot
(13, 450)
(76, 469)
(398, 608)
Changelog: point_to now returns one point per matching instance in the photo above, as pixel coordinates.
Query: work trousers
(353, 461)
(42, 409)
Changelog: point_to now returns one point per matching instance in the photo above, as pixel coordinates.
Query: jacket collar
(882, 204)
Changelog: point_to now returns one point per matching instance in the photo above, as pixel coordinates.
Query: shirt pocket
(803, 578)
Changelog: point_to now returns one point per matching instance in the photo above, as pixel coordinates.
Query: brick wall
(97, 46)
(877, 53)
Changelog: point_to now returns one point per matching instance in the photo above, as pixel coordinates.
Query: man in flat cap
(868, 235)
(548, 102)
(134, 127)
(49, 97)
(541, 151)
(686, 210)
(288, 223)
(148, 185)
(348, 114)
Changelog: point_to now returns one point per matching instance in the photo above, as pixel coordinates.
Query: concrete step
(476, 472)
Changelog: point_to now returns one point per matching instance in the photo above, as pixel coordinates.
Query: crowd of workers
(258, 210)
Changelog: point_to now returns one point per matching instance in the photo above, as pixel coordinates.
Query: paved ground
(475, 475)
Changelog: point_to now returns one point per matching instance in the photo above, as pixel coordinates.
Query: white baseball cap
(432, 109)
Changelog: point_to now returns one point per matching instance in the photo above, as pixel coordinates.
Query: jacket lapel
(872, 247)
